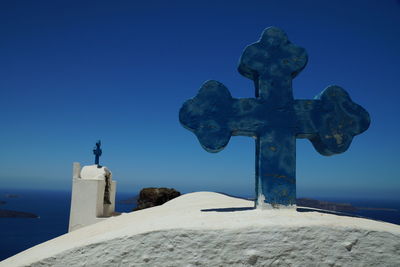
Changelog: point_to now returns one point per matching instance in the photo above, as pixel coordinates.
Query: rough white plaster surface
(93, 172)
(210, 229)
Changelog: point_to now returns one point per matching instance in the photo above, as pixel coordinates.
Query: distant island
(11, 196)
(325, 205)
(332, 206)
(16, 214)
(12, 213)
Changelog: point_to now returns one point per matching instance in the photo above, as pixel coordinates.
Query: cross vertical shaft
(275, 173)
(276, 146)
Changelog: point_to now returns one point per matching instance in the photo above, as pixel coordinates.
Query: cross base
(260, 204)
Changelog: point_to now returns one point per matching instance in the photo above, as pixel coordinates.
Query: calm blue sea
(18, 234)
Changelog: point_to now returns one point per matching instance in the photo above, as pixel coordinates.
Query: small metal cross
(274, 118)
(97, 152)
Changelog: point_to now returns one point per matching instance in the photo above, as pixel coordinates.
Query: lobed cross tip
(342, 120)
(272, 56)
(206, 115)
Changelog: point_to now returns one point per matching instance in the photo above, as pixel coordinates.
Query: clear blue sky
(72, 72)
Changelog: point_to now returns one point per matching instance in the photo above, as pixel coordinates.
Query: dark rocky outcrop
(2, 202)
(150, 197)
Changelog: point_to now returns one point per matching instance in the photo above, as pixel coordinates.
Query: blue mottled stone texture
(274, 118)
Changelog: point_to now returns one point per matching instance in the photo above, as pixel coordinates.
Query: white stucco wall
(87, 200)
(210, 229)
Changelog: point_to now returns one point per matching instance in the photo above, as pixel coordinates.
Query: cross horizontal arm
(214, 116)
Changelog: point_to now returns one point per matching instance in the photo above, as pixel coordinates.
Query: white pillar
(87, 201)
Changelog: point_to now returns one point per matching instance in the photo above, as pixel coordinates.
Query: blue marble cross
(274, 118)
